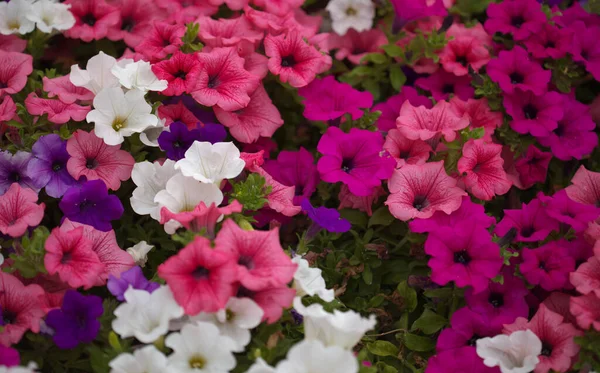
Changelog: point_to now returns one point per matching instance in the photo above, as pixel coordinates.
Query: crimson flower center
(89, 19)
(496, 300)
(200, 273)
(288, 61)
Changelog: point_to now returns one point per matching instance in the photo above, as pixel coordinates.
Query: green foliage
(485, 87)
(382, 348)
(190, 38)
(593, 6)
(251, 193)
(565, 73)
(589, 355)
(429, 322)
(470, 8)
(29, 259)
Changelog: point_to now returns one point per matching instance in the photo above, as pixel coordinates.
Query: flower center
(550, 44)
(197, 362)
(473, 340)
(350, 11)
(66, 258)
(288, 61)
(181, 75)
(91, 163)
(404, 154)
(546, 349)
(213, 82)
(517, 21)
(229, 315)
(516, 78)
(118, 123)
(462, 257)
(200, 273)
(3, 85)
(177, 144)
(246, 261)
(347, 165)
(86, 204)
(462, 60)
(89, 19)
(530, 111)
(127, 24)
(448, 88)
(8, 317)
(496, 300)
(527, 231)
(15, 177)
(57, 167)
(585, 55)
(299, 190)
(420, 202)
(244, 293)
(560, 129)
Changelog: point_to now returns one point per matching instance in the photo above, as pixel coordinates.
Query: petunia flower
(9, 357)
(177, 113)
(361, 203)
(463, 53)
(15, 67)
(58, 112)
(139, 252)
(460, 360)
(66, 91)
(575, 13)
(295, 169)
(418, 191)
(514, 69)
(211, 163)
(49, 164)
(93, 159)
(576, 215)
(531, 222)
(390, 108)
(150, 178)
(279, 8)
(355, 45)
(550, 42)
(585, 187)
(234, 32)
(138, 75)
(180, 71)
(136, 19)
(354, 158)
(76, 321)
(521, 18)
(309, 281)
(8, 109)
(586, 310)
(323, 359)
(327, 99)
(584, 49)
(586, 278)
(294, 60)
(18, 210)
(442, 84)
(14, 169)
(481, 167)
(133, 278)
(13, 17)
(514, 353)
(413, 10)
(537, 114)
(271, 300)
(467, 213)
(467, 327)
(547, 266)
(178, 139)
(92, 19)
(146, 359)
(557, 336)
(324, 218)
(161, 40)
(97, 74)
(203, 217)
(529, 169)
(49, 16)
(351, 14)
(479, 114)
(12, 43)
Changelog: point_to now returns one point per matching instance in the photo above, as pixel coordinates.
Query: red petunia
(178, 113)
(181, 71)
(161, 40)
(405, 150)
(92, 19)
(58, 111)
(15, 67)
(18, 210)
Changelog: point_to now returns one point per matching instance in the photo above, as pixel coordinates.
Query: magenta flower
(355, 159)
(391, 108)
(460, 360)
(442, 84)
(576, 13)
(547, 266)
(564, 210)
(520, 18)
(412, 10)
(537, 114)
(550, 42)
(531, 222)
(295, 169)
(355, 45)
(532, 167)
(466, 327)
(468, 213)
(586, 48)
(515, 69)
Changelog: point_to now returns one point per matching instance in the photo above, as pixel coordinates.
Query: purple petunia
(179, 138)
(13, 169)
(49, 165)
(515, 69)
(91, 204)
(134, 278)
(76, 321)
(324, 218)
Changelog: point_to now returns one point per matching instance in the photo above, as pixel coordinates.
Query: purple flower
(49, 165)
(390, 109)
(133, 277)
(520, 18)
(442, 84)
(531, 222)
(13, 169)
(535, 114)
(468, 213)
(515, 69)
(564, 210)
(356, 159)
(550, 41)
(76, 321)
(466, 327)
(324, 218)
(178, 140)
(91, 204)
(412, 10)
(213, 132)
(295, 169)
(327, 99)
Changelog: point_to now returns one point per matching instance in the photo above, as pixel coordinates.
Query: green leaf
(418, 343)
(397, 77)
(470, 7)
(409, 296)
(393, 50)
(429, 322)
(442, 293)
(376, 58)
(367, 275)
(356, 217)
(251, 193)
(382, 348)
(381, 216)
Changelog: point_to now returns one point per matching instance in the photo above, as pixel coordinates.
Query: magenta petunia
(537, 114)
(575, 13)
(405, 150)
(531, 222)
(92, 19)
(547, 266)
(15, 67)
(468, 213)
(413, 10)
(390, 109)
(442, 84)
(180, 71)
(161, 40)
(466, 327)
(460, 360)
(566, 211)
(520, 18)
(550, 42)
(58, 111)
(479, 114)
(515, 69)
(295, 169)
(354, 45)
(585, 187)
(585, 48)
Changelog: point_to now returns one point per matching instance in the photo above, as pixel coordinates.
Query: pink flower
(259, 118)
(405, 150)
(391, 108)
(430, 124)
(181, 71)
(586, 278)
(559, 303)
(272, 300)
(531, 222)
(550, 41)
(548, 266)
(585, 49)
(256, 64)
(232, 32)
(515, 69)
(136, 17)
(278, 7)
(231, 4)
(18, 210)
(70, 255)
(347, 199)
(178, 113)
(281, 198)
(355, 45)
(481, 167)
(576, 13)
(468, 213)
(479, 114)
(12, 43)
(417, 191)
(21, 308)
(585, 187)
(183, 12)
(92, 19)
(92, 158)
(458, 30)
(223, 81)
(201, 278)
(520, 18)
(537, 114)
(293, 60)
(464, 52)
(8, 109)
(58, 111)
(566, 211)
(460, 360)
(558, 345)
(466, 328)
(15, 67)
(66, 91)
(202, 217)
(442, 84)
(161, 40)
(586, 310)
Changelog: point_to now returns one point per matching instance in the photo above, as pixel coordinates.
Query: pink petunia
(575, 13)
(418, 191)
(468, 213)
(178, 113)
(92, 19)
(405, 150)
(281, 198)
(92, 158)
(585, 187)
(181, 72)
(70, 255)
(259, 118)
(531, 222)
(278, 7)
(463, 53)
(161, 40)
(586, 278)
(479, 114)
(202, 217)
(21, 308)
(231, 4)
(390, 108)
(257, 64)
(354, 45)
(585, 48)
(58, 112)
(550, 42)
(136, 18)
(229, 32)
(202, 279)
(18, 210)
(15, 67)
(8, 109)
(547, 266)
(223, 81)
(537, 114)
(442, 84)
(481, 167)
(586, 310)
(271, 300)
(12, 43)
(186, 11)
(514, 69)
(530, 168)
(458, 30)
(362, 203)
(294, 60)
(66, 92)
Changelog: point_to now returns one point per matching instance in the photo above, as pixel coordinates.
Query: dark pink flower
(8, 109)
(585, 49)
(576, 13)
(477, 31)
(547, 266)
(181, 71)
(481, 167)
(468, 213)
(202, 217)
(278, 7)
(295, 169)
(281, 198)
(531, 222)
(178, 113)
(479, 114)
(515, 69)
(135, 21)
(459, 360)
(559, 303)
(550, 41)
(19, 210)
(354, 45)
(586, 278)
(93, 18)
(362, 203)
(563, 209)
(58, 112)
(585, 187)
(520, 18)
(232, 32)
(15, 67)
(390, 109)
(66, 92)
(271, 300)
(530, 168)
(161, 40)
(537, 114)
(442, 84)
(466, 327)
(586, 310)
(464, 52)
(405, 150)
(12, 43)
(415, 10)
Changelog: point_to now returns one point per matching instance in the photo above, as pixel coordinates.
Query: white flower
(150, 179)
(235, 321)
(343, 329)
(313, 357)
(184, 194)
(117, 115)
(146, 316)
(515, 353)
(150, 135)
(260, 366)
(347, 14)
(211, 163)
(308, 281)
(200, 348)
(13, 17)
(144, 360)
(97, 74)
(30, 368)
(139, 252)
(50, 15)
(138, 75)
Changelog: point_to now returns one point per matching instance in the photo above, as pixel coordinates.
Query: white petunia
(200, 348)
(13, 17)
(314, 357)
(144, 360)
(515, 353)
(50, 15)
(235, 321)
(146, 316)
(30, 368)
(150, 135)
(308, 281)
(343, 329)
(117, 115)
(139, 252)
(211, 163)
(184, 194)
(138, 75)
(347, 14)
(150, 179)
(260, 366)
(97, 74)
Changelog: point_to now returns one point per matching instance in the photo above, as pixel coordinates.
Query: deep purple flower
(133, 277)
(412, 10)
(178, 140)
(391, 108)
(213, 132)
(515, 69)
(460, 360)
(13, 169)
(295, 169)
(547, 266)
(442, 84)
(324, 218)
(550, 2)
(9, 357)
(535, 114)
(327, 99)
(466, 327)
(531, 222)
(586, 48)
(76, 321)
(91, 204)
(49, 165)
(564, 210)
(468, 213)
(520, 18)
(356, 159)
